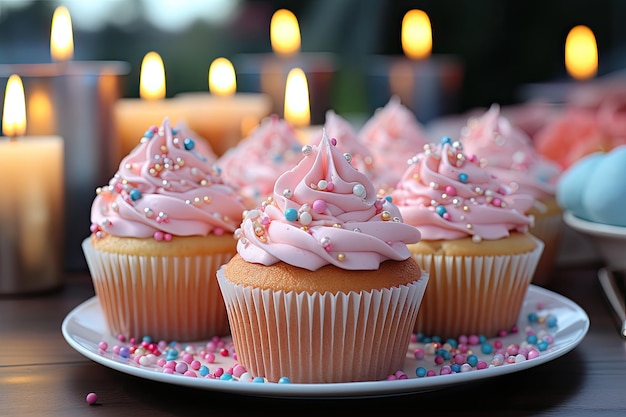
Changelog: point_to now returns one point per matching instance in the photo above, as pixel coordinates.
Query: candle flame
(581, 53)
(284, 32)
(61, 36)
(152, 77)
(222, 79)
(297, 110)
(417, 37)
(14, 113)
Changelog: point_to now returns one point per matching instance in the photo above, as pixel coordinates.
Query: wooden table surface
(41, 375)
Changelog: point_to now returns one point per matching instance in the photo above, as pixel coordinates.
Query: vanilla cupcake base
(548, 228)
(173, 298)
(474, 294)
(315, 337)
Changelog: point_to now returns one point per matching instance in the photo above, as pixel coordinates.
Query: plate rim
(411, 385)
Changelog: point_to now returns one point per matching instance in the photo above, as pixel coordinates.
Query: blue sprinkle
(456, 368)
(531, 338)
(389, 198)
(482, 338)
(486, 348)
(189, 144)
(463, 177)
(532, 317)
(284, 380)
(174, 131)
(420, 371)
(172, 344)
(441, 210)
(446, 139)
(472, 360)
(203, 371)
(543, 345)
(226, 376)
(258, 379)
(147, 339)
(426, 339)
(135, 194)
(291, 214)
(436, 339)
(452, 342)
(551, 321)
(149, 134)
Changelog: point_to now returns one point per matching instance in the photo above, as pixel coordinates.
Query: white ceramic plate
(84, 328)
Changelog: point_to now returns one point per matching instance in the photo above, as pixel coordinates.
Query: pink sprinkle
(168, 237)
(330, 186)
(482, 365)
(445, 370)
(91, 398)
(532, 354)
(238, 370)
(450, 190)
(512, 349)
(218, 372)
(181, 367)
(431, 372)
(474, 340)
(195, 365)
(158, 236)
(333, 142)
(218, 231)
(319, 206)
(210, 357)
(103, 345)
(168, 371)
(419, 353)
(187, 357)
(121, 338)
(190, 373)
(447, 216)
(161, 362)
(497, 202)
(224, 352)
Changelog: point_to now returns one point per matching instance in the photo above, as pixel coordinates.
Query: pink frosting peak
(323, 212)
(347, 141)
(447, 194)
(256, 162)
(165, 188)
(510, 154)
(393, 134)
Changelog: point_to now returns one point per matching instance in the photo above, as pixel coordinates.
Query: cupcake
(475, 242)
(393, 134)
(323, 288)
(257, 161)
(509, 154)
(160, 230)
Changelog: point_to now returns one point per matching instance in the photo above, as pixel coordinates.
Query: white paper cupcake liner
(321, 338)
(548, 229)
(166, 298)
(479, 295)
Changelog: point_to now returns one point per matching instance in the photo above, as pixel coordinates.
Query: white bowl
(608, 240)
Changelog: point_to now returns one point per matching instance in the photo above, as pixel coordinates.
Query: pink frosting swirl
(165, 188)
(324, 212)
(449, 195)
(393, 134)
(510, 154)
(258, 160)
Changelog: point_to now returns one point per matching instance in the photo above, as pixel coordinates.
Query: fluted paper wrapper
(479, 295)
(322, 338)
(166, 298)
(549, 230)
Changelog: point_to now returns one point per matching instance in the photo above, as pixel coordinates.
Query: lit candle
(268, 72)
(222, 115)
(134, 116)
(581, 65)
(31, 185)
(429, 85)
(73, 99)
(297, 106)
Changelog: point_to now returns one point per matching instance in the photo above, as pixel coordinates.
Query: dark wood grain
(40, 375)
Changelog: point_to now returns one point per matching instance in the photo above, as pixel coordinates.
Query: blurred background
(503, 44)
